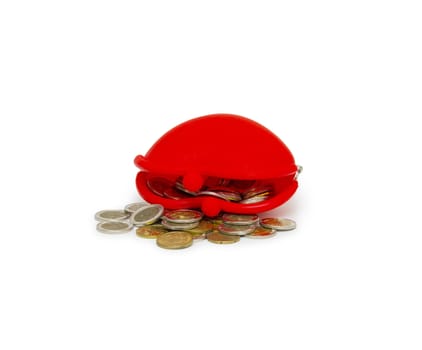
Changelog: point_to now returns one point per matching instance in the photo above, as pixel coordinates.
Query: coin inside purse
(216, 194)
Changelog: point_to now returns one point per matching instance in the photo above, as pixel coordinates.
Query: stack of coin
(177, 229)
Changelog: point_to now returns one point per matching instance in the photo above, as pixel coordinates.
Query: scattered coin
(237, 219)
(262, 232)
(150, 231)
(114, 227)
(178, 226)
(217, 237)
(203, 227)
(132, 207)
(147, 215)
(111, 215)
(240, 230)
(278, 224)
(175, 240)
(183, 216)
(198, 236)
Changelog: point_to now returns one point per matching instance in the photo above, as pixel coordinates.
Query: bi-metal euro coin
(178, 226)
(278, 224)
(147, 215)
(262, 232)
(237, 219)
(111, 215)
(236, 230)
(175, 240)
(132, 207)
(114, 227)
(183, 216)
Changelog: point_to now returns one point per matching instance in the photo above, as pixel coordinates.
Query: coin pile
(177, 229)
(241, 191)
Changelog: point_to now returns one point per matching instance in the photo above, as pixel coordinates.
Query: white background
(85, 86)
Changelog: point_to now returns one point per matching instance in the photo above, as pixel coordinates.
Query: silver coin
(178, 226)
(236, 219)
(132, 207)
(111, 215)
(234, 230)
(279, 224)
(147, 215)
(228, 196)
(255, 199)
(114, 227)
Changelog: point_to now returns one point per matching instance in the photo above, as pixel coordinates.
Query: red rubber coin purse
(218, 162)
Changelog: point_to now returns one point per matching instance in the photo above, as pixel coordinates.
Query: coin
(204, 226)
(175, 240)
(158, 185)
(178, 226)
(198, 236)
(174, 193)
(236, 230)
(114, 227)
(147, 215)
(183, 216)
(111, 215)
(262, 232)
(219, 238)
(228, 196)
(217, 221)
(278, 224)
(258, 190)
(237, 219)
(132, 207)
(150, 231)
(255, 199)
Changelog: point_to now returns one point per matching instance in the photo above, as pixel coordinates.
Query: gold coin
(175, 240)
(217, 221)
(198, 236)
(204, 226)
(150, 231)
(219, 238)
